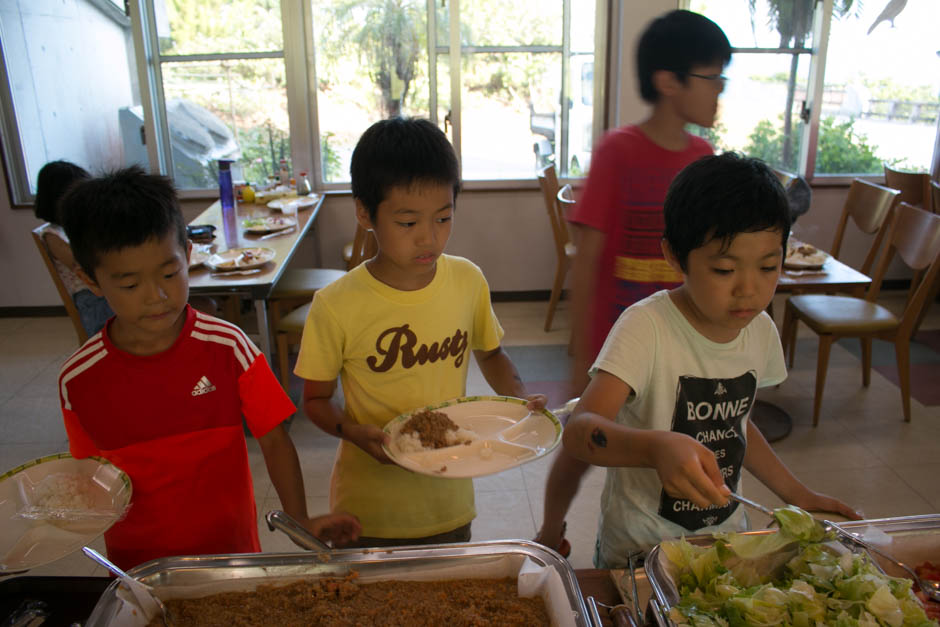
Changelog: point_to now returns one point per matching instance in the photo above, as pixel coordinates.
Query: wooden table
(773, 422)
(256, 287)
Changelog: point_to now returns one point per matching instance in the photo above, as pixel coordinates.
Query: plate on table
(494, 433)
(240, 259)
(801, 256)
(268, 224)
(54, 505)
(301, 202)
(199, 256)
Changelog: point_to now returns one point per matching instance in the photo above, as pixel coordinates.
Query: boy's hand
(816, 502)
(340, 529)
(687, 469)
(370, 439)
(536, 402)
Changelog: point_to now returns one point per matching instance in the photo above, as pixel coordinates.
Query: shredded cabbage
(793, 577)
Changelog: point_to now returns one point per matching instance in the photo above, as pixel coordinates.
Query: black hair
(123, 208)
(676, 42)
(55, 178)
(718, 197)
(400, 152)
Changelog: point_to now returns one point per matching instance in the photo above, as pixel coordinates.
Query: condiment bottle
(284, 174)
(303, 185)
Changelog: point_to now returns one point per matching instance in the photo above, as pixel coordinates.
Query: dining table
(239, 230)
(831, 277)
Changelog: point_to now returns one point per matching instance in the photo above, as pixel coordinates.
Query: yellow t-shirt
(396, 351)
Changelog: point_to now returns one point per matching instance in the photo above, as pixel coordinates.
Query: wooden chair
(914, 186)
(868, 206)
(914, 235)
(289, 329)
(556, 204)
(935, 196)
(59, 285)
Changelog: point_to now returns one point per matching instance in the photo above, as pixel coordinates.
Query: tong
(295, 531)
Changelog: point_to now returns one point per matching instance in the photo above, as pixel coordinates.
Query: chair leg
(788, 334)
(282, 360)
(556, 295)
(866, 360)
(822, 366)
(902, 352)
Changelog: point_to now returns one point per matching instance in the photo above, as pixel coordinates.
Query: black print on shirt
(711, 411)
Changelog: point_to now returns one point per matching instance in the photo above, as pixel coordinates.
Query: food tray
(913, 539)
(197, 576)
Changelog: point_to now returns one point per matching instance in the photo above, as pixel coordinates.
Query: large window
(830, 88)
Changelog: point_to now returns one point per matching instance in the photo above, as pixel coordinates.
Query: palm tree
(793, 20)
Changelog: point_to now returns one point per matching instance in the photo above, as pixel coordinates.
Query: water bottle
(227, 200)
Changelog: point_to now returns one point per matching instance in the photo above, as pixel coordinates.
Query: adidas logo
(203, 386)
(719, 391)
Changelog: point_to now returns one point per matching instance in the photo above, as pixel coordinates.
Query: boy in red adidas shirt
(161, 390)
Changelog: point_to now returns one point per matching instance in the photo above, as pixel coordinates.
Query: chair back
(914, 186)
(59, 284)
(868, 205)
(548, 181)
(935, 196)
(364, 247)
(914, 237)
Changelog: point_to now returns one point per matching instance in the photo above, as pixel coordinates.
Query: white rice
(411, 442)
(64, 491)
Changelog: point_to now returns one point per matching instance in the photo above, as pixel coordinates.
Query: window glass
(760, 106)
(882, 89)
(233, 109)
(71, 84)
(213, 26)
(371, 63)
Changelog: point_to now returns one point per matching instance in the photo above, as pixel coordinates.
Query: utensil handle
(750, 503)
(103, 561)
(295, 531)
(854, 539)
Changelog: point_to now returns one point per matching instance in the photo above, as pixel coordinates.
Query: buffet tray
(913, 540)
(175, 577)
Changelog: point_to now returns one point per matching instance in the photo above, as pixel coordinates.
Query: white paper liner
(532, 580)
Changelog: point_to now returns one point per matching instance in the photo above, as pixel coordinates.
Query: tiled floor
(861, 452)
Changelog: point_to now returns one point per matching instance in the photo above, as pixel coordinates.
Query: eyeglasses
(709, 77)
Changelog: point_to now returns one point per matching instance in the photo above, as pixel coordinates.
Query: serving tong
(930, 588)
(141, 592)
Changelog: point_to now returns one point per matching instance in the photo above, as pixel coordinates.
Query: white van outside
(573, 158)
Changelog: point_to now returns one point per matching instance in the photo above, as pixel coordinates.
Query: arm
(325, 414)
(501, 374)
(59, 249)
(764, 464)
(584, 273)
(686, 468)
(280, 457)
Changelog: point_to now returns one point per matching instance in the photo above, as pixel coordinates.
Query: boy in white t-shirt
(667, 408)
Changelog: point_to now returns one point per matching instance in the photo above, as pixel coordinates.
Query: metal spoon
(753, 504)
(132, 584)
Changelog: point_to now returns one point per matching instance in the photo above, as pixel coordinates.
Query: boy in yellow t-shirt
(398, 331)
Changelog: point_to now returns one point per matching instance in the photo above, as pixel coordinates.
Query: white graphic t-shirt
(686, 383)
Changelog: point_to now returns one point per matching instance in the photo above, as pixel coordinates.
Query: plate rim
(234, 268)
(276, 203)
(472, 399)
(266, 228)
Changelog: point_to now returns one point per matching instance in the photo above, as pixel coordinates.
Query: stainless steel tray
(375, 564)
(914, 539)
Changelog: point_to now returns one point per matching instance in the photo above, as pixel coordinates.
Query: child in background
(397, 330)
(162, 391)
(668, 405)
(679, 58)
(53, 181)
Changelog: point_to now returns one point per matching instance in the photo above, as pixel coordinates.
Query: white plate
(32, 538)
(240, 259)
(804, 260)
(268, 224)
(302, 202)
(198, 257)
(509, 435)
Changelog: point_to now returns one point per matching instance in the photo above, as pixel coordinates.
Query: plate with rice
(54, 505)
(472, 436)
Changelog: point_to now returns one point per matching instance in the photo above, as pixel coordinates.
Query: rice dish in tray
(64, 491)
(428, 430)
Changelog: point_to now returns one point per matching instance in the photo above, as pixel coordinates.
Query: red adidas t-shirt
(623, 197)
(173, 423)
